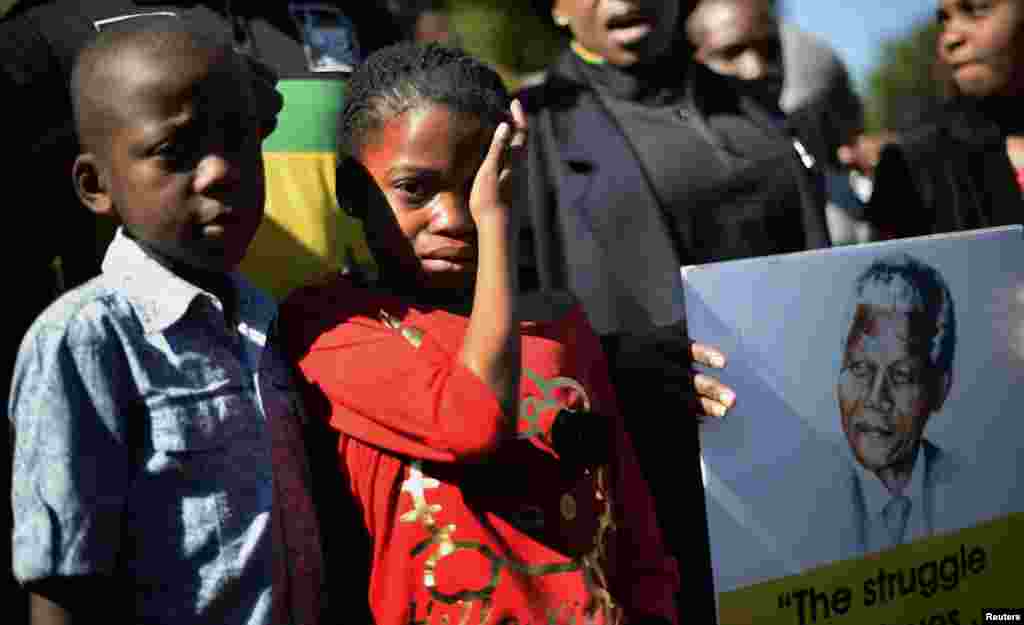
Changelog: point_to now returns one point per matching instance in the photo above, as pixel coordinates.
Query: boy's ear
(350, 187)
(91, 184)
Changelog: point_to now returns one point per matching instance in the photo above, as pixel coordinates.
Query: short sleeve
(72, 465)
(416, 400)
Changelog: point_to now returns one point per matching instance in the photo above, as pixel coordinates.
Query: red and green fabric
(304, 233)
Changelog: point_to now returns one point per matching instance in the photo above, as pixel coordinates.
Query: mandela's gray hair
(902, 282)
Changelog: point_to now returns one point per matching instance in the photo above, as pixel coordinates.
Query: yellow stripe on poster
(942, 580)
(304, 234)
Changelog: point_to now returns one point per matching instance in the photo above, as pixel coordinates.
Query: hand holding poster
(869, 472)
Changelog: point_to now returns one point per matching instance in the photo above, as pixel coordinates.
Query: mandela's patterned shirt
(519, 538)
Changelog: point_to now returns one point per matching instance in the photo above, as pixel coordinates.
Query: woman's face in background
(982, 44)
(624, 32)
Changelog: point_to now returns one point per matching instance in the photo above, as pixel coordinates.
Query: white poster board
(799, 519)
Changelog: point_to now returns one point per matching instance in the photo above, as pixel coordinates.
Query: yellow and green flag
(304, 233)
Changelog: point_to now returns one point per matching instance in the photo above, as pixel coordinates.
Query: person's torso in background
(304, 233)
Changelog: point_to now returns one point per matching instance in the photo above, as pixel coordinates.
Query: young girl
(965, 171)
(478, 429)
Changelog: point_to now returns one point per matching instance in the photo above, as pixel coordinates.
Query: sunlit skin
(624, 33)
(886, 391)
(982, 42)
(182, 168)
(738, 39)
(424, 162)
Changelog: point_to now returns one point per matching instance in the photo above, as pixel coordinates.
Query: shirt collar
(661, 84)
(876, 495)
(160, 297)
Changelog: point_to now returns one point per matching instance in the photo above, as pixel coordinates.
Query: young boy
(150, 404)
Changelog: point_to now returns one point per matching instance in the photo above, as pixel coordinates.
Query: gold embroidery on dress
(411, 333)
(467, 608)
(485, 611)
(594, 576)
(530, 408)
(415, 486)
(554, 614)
(600, 608)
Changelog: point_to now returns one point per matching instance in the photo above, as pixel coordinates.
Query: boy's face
(982, 42)
(424, 162)
(183, 168)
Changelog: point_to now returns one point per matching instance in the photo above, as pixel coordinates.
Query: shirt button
(683, 114)
(568, 507)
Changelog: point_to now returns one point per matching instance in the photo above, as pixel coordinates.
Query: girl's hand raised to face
(493, 187)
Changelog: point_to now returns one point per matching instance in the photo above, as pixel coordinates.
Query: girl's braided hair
(398, 78)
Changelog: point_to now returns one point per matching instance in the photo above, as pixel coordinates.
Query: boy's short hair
(405, 75)
(92, 76)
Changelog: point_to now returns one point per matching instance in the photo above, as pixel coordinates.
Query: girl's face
(424, 162)
(982, 43)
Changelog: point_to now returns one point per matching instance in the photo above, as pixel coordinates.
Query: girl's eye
(168, 148)
(172, 152)
(412, 189)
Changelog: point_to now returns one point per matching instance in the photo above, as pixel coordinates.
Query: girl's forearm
(491, 348)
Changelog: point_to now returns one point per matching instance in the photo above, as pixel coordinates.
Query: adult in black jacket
(640, 162)
(962, 170)
(951, 174)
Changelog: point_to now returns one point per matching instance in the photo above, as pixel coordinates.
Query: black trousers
(651, 374)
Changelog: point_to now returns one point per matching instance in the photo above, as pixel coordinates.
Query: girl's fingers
(517, 142)
(495, 159)
(507, 145)
(519, 119)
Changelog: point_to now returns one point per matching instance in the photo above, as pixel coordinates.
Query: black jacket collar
(981, 123)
